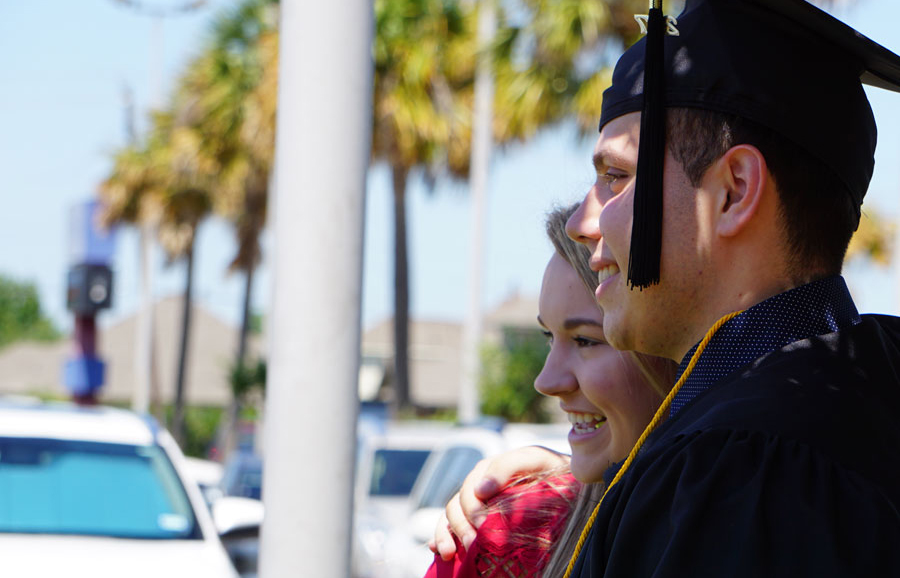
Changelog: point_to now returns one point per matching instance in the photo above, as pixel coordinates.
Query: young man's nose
(582, 226)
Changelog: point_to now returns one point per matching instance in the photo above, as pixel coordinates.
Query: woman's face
(602, 390)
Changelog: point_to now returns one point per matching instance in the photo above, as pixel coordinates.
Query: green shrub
(508, 373)
(20, 314)
(200, 425)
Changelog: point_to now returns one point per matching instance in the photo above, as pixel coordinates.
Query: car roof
(67, 421)
(414, 435)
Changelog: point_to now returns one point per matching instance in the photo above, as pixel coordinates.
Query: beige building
(36, 368)
(434, 352)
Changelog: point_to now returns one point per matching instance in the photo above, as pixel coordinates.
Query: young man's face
(654, 320)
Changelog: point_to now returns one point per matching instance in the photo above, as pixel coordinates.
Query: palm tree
(185, 201)
(424, 70)
(165, 181)
(238, 82)
(873, 240)
(134, 179)
(229, 95)
(540, 83)
(212, 149)
(554, 64)
(424, 73)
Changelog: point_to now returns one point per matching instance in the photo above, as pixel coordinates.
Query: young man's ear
(743, 178)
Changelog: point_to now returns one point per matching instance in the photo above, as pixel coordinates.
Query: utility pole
(322, 155)
(89, 290)
(144, 354)
(469, 407)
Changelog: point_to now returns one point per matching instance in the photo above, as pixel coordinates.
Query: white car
(405, 552)
(208, 475)
(99, 492)
(389, 460)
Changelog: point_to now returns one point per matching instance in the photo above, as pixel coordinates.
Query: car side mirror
(235, 516)
(422, 522)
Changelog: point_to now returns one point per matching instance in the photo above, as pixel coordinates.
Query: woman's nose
(555, 379)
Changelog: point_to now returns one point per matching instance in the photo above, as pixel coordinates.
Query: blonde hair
(565, 529)
(658, 373)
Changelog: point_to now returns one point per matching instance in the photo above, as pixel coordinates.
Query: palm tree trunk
(227, 436)
(178, 430)
(401, 292)
(245, 316)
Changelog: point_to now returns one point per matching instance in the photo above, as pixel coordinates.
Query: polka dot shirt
(818, 308)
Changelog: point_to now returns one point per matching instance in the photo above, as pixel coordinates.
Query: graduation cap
(783, 64)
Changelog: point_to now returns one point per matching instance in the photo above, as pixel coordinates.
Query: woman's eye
(548, 336)
(585, 342)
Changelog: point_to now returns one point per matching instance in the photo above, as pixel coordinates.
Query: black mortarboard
(783, 64)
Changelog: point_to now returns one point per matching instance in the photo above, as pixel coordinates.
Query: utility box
(89, 288)
(88, 241)
(83, 376)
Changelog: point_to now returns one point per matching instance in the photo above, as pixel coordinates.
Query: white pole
(140, 401)
(469, 407)
(143, 350)
(322, 148)
(144, 326)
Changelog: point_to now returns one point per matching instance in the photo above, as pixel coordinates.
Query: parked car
(97, 491)
(404, 550)
(208, 476)
(242, 475)
(242, 480)
(389, 462)
(389, 459)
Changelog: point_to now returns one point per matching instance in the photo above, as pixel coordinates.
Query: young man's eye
(548, 336)
(611, 177)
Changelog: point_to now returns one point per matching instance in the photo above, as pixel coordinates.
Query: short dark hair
(817, 212)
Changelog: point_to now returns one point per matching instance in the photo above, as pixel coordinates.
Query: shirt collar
(814, 309)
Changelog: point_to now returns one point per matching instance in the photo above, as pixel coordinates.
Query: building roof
(36, 368)
(434, 348)
(435, 357)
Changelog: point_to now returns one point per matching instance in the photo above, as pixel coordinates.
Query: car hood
(389, 510)
(54, 555)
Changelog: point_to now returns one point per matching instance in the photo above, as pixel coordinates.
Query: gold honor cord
(657, 419)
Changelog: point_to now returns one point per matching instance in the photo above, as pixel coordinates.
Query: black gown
(787, 467)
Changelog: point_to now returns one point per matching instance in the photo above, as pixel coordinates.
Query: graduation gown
(787, 467)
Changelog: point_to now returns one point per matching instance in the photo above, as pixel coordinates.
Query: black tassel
(646, 232)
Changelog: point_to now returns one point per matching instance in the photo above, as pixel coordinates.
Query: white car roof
(409, 435)
(67, 421)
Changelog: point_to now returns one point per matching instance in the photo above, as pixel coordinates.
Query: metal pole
(322, 148)
(143, 343)
(469, 407)
(145, 325)
(143, 350)
(86, 348)
(145, 386)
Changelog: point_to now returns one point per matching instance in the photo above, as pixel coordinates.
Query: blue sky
(64, 70)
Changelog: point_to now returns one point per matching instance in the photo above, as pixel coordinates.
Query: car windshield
(448, 476)
(395, 471)
(243, 476)
(74, 487)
